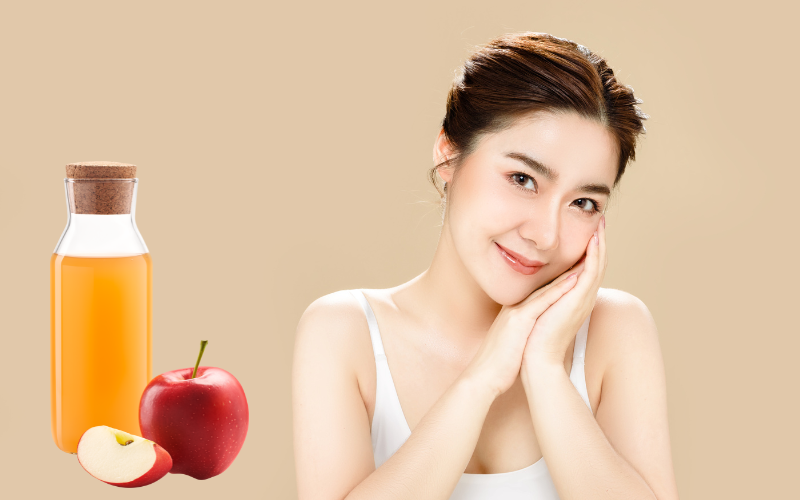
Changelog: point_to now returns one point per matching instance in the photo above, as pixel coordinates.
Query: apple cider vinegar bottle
(100, 306)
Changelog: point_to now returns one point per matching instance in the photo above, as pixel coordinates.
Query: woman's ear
(443, 151)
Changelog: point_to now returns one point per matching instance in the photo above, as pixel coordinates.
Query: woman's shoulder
(333, 326)
(620, 323)
(336, 306)
(613, 301)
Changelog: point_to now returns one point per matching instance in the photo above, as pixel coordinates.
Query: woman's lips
(514, 262)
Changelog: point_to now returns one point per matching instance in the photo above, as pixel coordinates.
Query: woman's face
(538, 189)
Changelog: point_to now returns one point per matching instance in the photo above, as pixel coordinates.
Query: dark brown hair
(517, 74)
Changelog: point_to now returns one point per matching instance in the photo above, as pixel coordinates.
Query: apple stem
(202, 348)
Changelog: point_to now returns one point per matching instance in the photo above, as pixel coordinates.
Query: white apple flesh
(121, 459)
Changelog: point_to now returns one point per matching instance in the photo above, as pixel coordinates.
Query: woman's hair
(517, 74)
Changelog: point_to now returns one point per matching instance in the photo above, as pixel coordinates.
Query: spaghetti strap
(578, 373)
(374, 334)
(580, 340)
(389, 428)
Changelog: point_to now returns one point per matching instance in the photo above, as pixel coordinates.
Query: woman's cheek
(505, 211)
(575, 247)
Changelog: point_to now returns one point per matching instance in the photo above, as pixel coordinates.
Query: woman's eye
(524, 181)
(586, 202)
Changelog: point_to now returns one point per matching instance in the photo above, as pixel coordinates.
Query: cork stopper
(101, 170)
(100, 187)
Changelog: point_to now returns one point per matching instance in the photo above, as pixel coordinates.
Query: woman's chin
(508, 294)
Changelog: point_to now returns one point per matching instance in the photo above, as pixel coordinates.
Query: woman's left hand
(556, 328)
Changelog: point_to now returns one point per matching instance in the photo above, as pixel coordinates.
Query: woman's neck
(447, 297)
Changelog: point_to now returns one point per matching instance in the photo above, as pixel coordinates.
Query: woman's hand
(556, 327)
(498, 361)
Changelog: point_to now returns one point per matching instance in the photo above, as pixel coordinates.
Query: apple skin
(201, 422)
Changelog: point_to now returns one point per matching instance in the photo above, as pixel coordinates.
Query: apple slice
(122, 459)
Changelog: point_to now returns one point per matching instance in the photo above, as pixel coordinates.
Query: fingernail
(571, 276)
(603, 218)
(595, 238)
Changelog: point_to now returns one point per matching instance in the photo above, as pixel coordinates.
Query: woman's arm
(333, 450)
(625, 451)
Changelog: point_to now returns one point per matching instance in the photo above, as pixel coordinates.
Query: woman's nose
(541, 227)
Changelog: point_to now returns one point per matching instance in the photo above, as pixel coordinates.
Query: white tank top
(390, 429)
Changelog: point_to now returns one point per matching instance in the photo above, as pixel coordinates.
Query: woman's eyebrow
(595, 188)
(551, 175)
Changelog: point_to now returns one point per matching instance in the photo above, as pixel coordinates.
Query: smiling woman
(484, 378)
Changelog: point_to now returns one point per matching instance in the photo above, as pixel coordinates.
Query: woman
(493, 359)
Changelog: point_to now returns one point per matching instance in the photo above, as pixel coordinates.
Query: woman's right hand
(498, 360)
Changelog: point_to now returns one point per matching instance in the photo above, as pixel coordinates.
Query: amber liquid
(100, 343)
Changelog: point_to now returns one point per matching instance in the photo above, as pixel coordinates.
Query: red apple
(200, 418)
(122, 459)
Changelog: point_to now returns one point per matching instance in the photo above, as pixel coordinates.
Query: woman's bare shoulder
(619, 319)
(619, 306)
(333, 326)
(333, 308)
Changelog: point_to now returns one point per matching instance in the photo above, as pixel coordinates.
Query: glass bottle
(100, 306)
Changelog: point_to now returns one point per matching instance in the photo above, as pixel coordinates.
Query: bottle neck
(95, 226)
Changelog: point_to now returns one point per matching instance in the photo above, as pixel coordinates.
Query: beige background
(282, 153)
